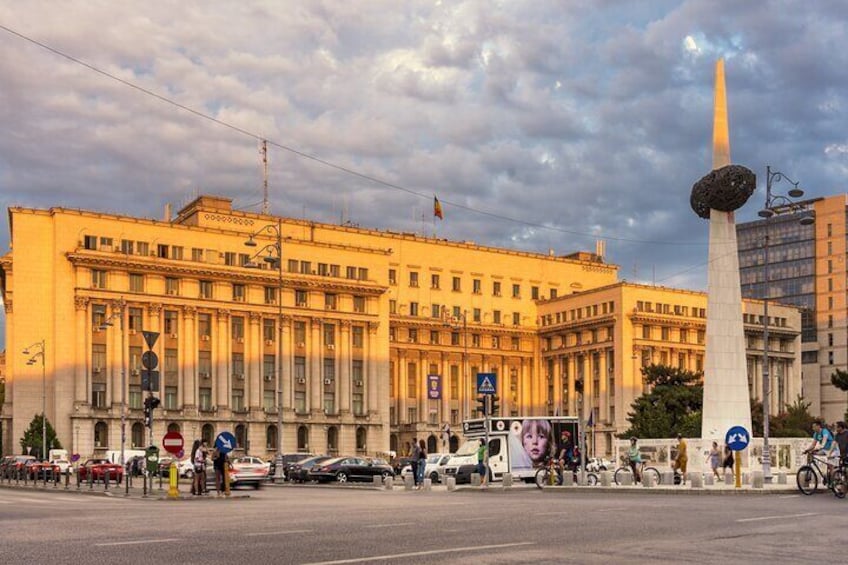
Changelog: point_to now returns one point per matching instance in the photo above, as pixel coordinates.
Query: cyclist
(635, 459)
(824, 444)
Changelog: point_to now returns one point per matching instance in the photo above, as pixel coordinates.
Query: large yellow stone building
(344, 334)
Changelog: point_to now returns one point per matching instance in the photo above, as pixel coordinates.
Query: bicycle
(642, 467)
(839, 478)
(551, 474)
(814, 471)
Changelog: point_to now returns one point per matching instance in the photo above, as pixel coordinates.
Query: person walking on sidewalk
(221, 462)
(712, 458)
(482, 469)
(682, 458)
(196, 489)
(414, 455)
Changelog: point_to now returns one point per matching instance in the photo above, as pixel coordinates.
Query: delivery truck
(517, 445)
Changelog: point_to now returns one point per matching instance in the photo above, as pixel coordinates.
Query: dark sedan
(298, 472)
(344, 469)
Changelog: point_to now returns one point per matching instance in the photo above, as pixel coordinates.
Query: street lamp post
(40, 346)
(118, 309)
(277, 249)
(775, 204)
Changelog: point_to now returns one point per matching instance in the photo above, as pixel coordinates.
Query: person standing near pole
(482, 469)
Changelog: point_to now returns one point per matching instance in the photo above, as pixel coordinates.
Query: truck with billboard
(517, 445)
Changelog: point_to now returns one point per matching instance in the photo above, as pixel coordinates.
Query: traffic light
(151, 403)
(495, 408)
(578, 386)
(482, 404)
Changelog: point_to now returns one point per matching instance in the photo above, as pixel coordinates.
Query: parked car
(185, 468)
(97, 469)
(598, 464)
(298, 471)
(243, 472)
(435, 465)
(398, 463)
(13, 465)
(285, 459)
(344, 469)
(64, 465)
(42, 470)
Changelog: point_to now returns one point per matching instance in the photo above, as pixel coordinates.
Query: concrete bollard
(781, 478)
(408, 482)
(568, 479)
(696, 480)
(729, 478)
(506, 480)
(606, 478)
(746, 478)
(648, 480)
(450, 482)
(389, 483)
(757, 479)
(475, 479)
(625, 479)
(377, 481)
(668, 478)
(427, 485)
(709, 480)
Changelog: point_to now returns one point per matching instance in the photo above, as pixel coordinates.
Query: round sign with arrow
(225, 442)
(737, 438)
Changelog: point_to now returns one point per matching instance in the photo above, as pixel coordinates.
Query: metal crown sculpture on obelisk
(716, 197)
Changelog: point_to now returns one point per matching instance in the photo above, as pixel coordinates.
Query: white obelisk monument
(726, 397)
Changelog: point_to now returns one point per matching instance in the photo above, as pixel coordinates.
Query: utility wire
(324, 162)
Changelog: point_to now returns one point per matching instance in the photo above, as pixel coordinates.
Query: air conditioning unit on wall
(269, 378)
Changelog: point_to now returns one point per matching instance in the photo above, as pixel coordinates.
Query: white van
(114, 455)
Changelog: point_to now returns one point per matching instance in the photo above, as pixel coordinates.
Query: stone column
(370, 370)
(445, 402)
(253, 362)
(423, 401)
(189, 355)
(343, 362)
(316, 384)
(82, 351)
(402, 388)
(287, 361)
(220, 359)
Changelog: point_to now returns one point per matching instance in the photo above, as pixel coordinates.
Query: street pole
(123, 307)
(280, 336)
(581, 440)
(43, 402)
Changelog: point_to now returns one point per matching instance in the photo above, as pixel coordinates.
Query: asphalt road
(342, 525)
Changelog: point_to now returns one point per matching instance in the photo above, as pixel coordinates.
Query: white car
(435, 466)
(64, 465)
(597, 464)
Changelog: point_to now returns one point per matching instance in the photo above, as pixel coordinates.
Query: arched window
(101, 435)
(137, 435)
(241, 437)
(271, 437)
(207, 434)
(432, 444)
(361, 439)
(454, 444)
(332, 439)
(302, 438)
(174, 427)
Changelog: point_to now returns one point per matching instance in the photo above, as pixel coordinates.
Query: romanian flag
(437, 209)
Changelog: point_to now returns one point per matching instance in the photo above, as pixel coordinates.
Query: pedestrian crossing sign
(487, 383)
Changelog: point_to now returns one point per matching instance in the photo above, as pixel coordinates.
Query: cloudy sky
(538, 124)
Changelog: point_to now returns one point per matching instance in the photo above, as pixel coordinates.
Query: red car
(97, 469)
(38, 469)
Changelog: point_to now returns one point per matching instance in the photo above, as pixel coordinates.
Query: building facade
(807, 268)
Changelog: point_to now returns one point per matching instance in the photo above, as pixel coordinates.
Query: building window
(205, 396)
(456, 284)
(170, 398)
(305, 267)
(411, 380)
(330, 301)
(271, 437)
(553, 293)
(434, 337)
(392, 306)
(496, 316)
(135, 397)
(172, 286)
(350, 273)
(204, 326)
(268, 367)
(237, 328)
(475, 340)
(98, 278)
(454, 338)
(362, 273)
(300, 298)
(98, 359)
(516, 291)
(137, 435)
(476, 315)
(516, 318)
(300, 332)
(496, 342)
(171, 321)
(413, 279)
(435, 311)
(392, 276)
(359, 304)
(270, 295)
(413, 335)
(206, 289)
(329, 402)
(413, 308)
(238, 365)
(136, 282)
(356, 334)
(534, 292)
(204, 363)
(238, 293)
(101, 435)
(238, 399)
(329, 334)
(434, 281)
(300, 401)
(134, 316)
(90, 242)
(268, 330)
(454, 382)
(98, 395)
(496, 288)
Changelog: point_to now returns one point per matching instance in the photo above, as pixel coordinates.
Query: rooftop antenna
(264, 152)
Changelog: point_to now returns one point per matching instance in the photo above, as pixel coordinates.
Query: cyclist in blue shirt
(824, 444)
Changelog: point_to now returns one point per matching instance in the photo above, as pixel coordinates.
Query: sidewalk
(135, 491)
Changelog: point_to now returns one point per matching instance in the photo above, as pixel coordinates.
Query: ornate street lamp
(776, 204)
(119, 307)
(40, 348)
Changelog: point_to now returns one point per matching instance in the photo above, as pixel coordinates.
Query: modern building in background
(807, 268)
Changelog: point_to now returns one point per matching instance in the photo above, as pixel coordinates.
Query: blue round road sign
(737, 438)
(225, 442)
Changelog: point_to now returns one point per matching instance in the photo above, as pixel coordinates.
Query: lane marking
(789, 496)
(420, 553)
(783, 517)
(279, 533)
(474, 519)
(134, 542)
(552, 513)
(390, 525)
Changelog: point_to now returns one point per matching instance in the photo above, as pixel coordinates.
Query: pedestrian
(713, 459)
(413, 460)
(421, 462)
(841, 438)
(727, 463)
(482, 456)
(204, 488)
(198, 459)
(635, 459)
(195, 482)
(220, 461)
(682, 458)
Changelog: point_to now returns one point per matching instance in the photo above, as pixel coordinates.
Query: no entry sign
(173, 442)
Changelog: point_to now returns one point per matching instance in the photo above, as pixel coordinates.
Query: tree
(839, 379)
(794, 421)
(672, 406)
(32, 437)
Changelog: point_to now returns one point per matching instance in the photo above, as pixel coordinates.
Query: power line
(324, 162)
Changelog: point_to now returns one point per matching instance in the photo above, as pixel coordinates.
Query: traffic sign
(149, 360)
(225, 442)
(173, 443)
(487, 383)
(150, 338)
(149, 380)
(737, 438)
(434, 387)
